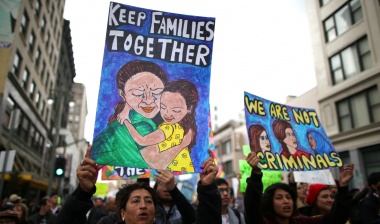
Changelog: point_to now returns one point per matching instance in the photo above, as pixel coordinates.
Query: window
(42, 108)
(43, 24)
(37, 57)
(8, 111)
(37, 99)
(47, 38)
(226, 147)
(25, 78)
(323, 2)
(227, 167)
(370, 159)
(32, 40)
(24, 23)
(42, 71)
(16, 63)
(23, 129)
(37, 8)
(342, 20)
(32, 89)
(359, 110)
(351, 61)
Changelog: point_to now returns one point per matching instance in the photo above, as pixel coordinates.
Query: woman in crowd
(138, 201)
(320, 200)
(277, 204)
(21, 211)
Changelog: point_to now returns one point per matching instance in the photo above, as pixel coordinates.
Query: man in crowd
(370, 206)
(44, 214)
(55, 207)
(229, 215)
(173, 206)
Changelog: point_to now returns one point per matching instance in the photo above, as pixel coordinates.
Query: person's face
(98, 203)
(139, 208)
(282, 203)
(290, 138)
(224, 194)
(264, 141)
(142, 92)
(53, 199)
(333, 189)
(312, 142)
(376, 187)
(173, 107)
(301, 191)
(325, 201)
(163, 192)
(18, 211)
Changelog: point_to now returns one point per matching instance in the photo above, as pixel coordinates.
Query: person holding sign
(138, 201)
(278, 203)
(284, 133)
(178, 102)
(140, 85)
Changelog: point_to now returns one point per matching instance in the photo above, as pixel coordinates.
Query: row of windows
(24, 129)
(359, 110)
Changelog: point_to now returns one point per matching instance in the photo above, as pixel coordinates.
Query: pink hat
(313, 191)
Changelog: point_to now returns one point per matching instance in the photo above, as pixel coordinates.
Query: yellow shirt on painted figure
(174, 135)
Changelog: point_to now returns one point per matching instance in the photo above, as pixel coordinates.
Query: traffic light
(60, 164)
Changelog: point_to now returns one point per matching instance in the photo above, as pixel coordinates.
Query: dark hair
(24, 209)
(130, 69)
(373, 178)
(279, 127)
(125, 192)
(267, 199)
(190, 93)
(43, 201)
(254, 137)
(220, 181)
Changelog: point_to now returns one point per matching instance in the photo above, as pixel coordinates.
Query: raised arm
(160, 160)
(149, 139)
(183, 205)
(340, 211)
(79, 202)
(253, 192)
(209, 209)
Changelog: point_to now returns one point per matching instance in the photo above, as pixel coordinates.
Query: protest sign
(287, 138)
(153, 102)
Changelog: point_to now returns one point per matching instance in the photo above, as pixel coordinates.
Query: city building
(37, 68)
(345, 38)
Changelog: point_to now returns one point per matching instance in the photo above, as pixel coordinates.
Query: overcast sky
(262, 47)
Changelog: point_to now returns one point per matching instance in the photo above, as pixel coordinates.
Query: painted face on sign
(264, 141)
(173, 107)
(290, 138)
(312, 142)
(142, 92)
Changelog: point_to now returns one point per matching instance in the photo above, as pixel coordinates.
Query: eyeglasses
(221, 190)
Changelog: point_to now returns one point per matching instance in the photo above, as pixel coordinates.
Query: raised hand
(166, 177)
(346, 174)
(210, 170)
(87, 172)
(253, 160)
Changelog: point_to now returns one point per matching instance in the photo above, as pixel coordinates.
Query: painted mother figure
(140, 84)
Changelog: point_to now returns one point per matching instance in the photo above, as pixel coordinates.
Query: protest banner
(287, 138)
(314, 177)
(153, 102)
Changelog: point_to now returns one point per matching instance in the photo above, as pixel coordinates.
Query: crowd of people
(279, 203)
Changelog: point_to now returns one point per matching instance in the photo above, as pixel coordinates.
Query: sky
(261, 47)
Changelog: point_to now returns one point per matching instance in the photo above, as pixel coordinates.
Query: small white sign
(314, 177)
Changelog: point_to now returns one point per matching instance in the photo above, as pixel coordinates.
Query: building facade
(345, 38)
(36, 66)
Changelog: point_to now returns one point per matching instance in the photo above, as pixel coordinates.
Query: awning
(34, 181)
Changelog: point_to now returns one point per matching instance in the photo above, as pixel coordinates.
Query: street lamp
(60, 96)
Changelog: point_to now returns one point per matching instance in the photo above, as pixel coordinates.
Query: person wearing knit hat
(319, 198)
(14, 198)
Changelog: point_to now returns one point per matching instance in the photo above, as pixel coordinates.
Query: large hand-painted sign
(287, 138)
(153, 103)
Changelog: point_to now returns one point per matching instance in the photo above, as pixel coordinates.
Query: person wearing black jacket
(79, 202)
(370, 206)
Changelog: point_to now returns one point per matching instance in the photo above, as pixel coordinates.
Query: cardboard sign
(153, 103)
(287, 138)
